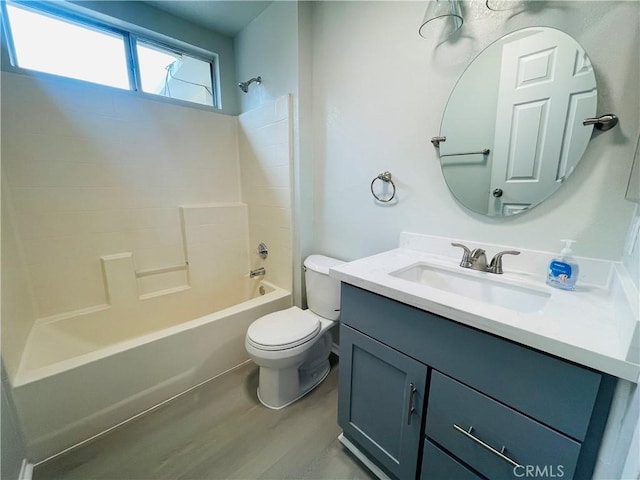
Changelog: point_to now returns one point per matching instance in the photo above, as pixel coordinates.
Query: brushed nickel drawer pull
(499, 453)
(411, 409)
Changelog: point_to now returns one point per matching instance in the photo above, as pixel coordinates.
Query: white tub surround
(264, 148)
(595, 326)
(133, 243)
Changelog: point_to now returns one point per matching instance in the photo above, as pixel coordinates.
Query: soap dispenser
(563, 271)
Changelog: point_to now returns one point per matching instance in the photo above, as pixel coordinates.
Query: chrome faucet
(476, 259)
(257, 272)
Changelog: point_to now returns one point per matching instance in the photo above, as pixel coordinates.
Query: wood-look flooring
(220, 431)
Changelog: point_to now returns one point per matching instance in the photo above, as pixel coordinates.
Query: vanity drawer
(475, 428)
(553, 391)
(437, 465)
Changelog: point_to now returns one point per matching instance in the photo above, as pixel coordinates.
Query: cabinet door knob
(411, 409)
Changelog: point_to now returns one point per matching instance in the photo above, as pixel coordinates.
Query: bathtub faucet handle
(257, 272)
(262, 251)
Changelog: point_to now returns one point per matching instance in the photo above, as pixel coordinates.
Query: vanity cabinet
(426, 397)
(383, 396)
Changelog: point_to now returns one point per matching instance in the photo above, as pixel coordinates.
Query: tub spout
(257, 272)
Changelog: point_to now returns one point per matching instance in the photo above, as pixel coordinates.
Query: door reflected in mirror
(513, 123)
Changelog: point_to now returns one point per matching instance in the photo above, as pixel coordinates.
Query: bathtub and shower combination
(100, 374)
(165, 255)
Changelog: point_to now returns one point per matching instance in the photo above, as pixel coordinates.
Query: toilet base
(306, 385)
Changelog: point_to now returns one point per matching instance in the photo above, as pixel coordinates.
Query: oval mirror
(513, 123)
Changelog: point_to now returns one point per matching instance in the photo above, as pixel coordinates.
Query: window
(66, 49)
(174, 74)
(59, 43)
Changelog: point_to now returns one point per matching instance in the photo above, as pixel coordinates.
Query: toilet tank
(323, 292)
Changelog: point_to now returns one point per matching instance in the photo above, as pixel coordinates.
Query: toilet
(292, 346)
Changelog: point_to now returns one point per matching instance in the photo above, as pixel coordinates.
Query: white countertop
(596, 325)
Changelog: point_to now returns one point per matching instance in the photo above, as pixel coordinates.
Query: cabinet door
(380, 401)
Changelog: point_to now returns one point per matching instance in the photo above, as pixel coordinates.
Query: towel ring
(386, 178)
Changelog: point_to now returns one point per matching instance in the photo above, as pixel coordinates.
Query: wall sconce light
(442, 19)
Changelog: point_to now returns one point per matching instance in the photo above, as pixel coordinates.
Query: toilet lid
(284, 329)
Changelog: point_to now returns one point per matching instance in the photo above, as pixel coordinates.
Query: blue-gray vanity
(422, 395)
(419, 392)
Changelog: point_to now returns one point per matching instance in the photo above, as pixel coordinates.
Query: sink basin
(476, 286)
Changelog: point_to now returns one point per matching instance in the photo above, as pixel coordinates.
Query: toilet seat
(284, 329)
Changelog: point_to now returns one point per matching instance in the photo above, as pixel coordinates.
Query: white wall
(267, 47)
(379, 91)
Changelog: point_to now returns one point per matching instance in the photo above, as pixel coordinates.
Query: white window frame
(130, 39)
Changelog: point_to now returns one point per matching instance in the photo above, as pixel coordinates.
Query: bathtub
(98, 379)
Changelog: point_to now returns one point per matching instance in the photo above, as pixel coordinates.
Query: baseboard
(335, 349)
(362, 457)
(26, 471)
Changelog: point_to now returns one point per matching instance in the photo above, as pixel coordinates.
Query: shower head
(244, 86)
